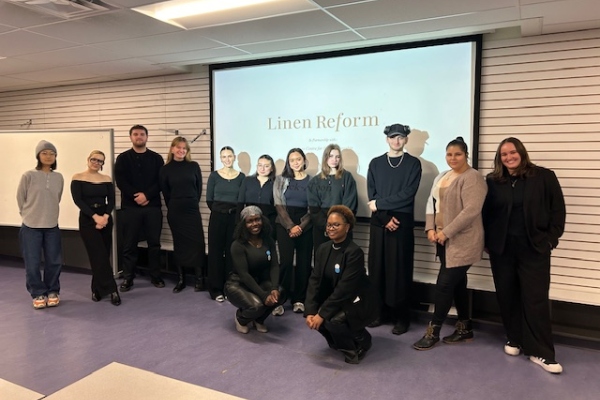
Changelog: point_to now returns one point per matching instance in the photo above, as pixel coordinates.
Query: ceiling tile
(22, 42)
(72, 56)
(67, 74)
(21, 17)
(277, 28)
(200, 56)
(294, 45)
(116, 25)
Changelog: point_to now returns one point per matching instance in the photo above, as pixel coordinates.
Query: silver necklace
(335, 248)
(390, 161)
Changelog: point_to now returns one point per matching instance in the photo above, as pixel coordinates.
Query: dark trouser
(220, 237)
(294, 279)
(250, 306)
(137, 223)
(451, 285)
(391, 261)
(522, 279)
(98, 243)
(339, 336)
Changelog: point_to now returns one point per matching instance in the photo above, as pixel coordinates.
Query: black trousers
(339, 336)
(522, 279)
(451, 286)
(220, 237)
(250, 306)
(294, 278)
(391, 264)
(141, 223)
(98, 243)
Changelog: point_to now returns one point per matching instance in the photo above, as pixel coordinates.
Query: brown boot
(432, 336)
(463, 332)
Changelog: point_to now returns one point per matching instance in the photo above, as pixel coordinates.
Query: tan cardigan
(463, 225)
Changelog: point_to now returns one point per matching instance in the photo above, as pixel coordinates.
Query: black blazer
(543, 206)
(350, 284)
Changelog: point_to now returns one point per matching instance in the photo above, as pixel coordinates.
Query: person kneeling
(340, 301)
(253, 285)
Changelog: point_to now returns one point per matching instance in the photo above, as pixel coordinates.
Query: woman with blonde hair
(94, 193)
(332, 186)
(181, 184)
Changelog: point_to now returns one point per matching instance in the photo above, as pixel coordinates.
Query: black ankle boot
(432, 336)
(350, 356)
(95, 296)
(199, 285)
(180, 284)
(463, 332)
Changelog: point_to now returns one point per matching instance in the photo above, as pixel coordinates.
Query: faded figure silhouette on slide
(415, 147)
(352, 165)
(244, 162)
(312, 164)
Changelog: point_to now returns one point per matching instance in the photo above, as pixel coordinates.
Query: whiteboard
(73, 147)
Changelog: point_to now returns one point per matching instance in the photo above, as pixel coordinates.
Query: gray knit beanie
(44, 145)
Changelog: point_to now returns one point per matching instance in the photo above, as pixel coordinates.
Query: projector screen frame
(476, 41)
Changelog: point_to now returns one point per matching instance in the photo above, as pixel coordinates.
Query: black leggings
(451, 285)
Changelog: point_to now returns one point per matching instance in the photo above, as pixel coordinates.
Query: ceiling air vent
(66, 8)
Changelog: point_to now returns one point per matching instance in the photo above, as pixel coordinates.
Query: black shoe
(115, 299)
(126, 285)
(463, 333)
(400, 327)
(350, 356)
(432, 336)
(158, 282)
(180, 285)
(375, 323)
(199, 285)
(96, 297)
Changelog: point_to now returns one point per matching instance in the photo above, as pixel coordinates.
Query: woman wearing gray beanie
(38, 198)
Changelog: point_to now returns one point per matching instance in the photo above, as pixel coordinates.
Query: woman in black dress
(253, 286)
(94, 194)
(181, 184)
(340, 300)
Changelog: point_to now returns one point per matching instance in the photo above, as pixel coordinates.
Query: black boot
(350, 356)
(363, 343)
(115, 299)
(463, 332)
(432, 336)
(199, 286)
(180, 284)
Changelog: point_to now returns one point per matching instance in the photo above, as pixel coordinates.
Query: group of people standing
(265, 229)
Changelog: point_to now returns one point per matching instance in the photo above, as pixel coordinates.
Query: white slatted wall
(544, 90)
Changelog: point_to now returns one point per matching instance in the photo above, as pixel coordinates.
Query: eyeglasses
(333, 226)
(47, 153)
(96, 161)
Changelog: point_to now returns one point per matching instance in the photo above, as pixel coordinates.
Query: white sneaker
(512, 349)
(553, 368)
(239, 327)
(298, 308)
(278, 311)
(220, 298)
(262, 328)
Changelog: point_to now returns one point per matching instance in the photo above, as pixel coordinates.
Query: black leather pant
(339, 336)
(250, 306)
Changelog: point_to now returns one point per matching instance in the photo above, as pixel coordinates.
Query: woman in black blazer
(340, 301)
(523, 216)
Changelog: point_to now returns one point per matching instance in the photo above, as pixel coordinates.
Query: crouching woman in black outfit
(340, 301)
(253, 286)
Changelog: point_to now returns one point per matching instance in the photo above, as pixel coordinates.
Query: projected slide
(348, 100)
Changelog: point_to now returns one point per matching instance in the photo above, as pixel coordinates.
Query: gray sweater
(38, 197)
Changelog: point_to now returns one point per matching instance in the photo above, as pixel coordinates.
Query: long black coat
(352, 290)
(543, 206)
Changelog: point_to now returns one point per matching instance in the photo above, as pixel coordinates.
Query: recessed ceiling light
(194, 14)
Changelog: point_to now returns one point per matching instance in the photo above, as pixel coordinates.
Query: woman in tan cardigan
(453, 223)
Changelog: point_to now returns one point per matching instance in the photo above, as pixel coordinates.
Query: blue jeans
(33, 241)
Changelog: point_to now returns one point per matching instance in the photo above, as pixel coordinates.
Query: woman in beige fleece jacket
(453, 222)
